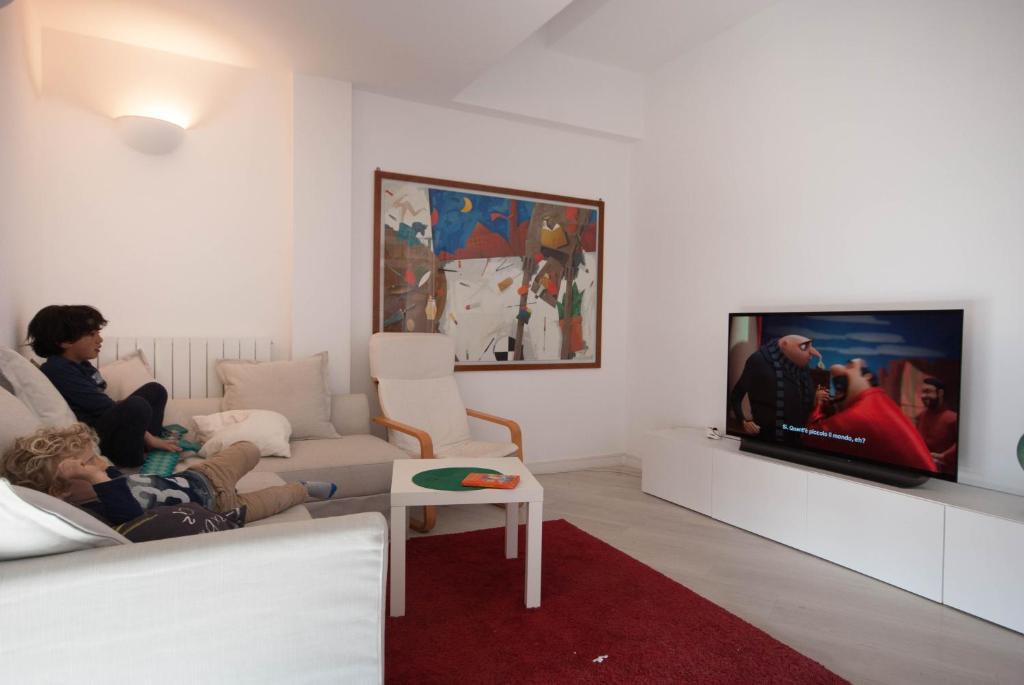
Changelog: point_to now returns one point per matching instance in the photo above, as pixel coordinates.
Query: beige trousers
(227, 467)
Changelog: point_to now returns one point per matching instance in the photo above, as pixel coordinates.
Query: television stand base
(859, 469)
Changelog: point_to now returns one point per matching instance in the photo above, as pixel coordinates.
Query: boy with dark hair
(69, 337)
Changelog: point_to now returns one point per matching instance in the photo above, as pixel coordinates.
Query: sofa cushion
(126, 375)
(297, 389)
(35, 525)
(181, 411)
(16, 421)
(33, 388)
(359, 464)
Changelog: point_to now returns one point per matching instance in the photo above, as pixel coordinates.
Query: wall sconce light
(149, 135)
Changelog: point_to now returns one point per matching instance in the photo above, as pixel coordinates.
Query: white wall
(833, 154)
(193, 243)
(322, 191)
(17, 161)
(564, 413)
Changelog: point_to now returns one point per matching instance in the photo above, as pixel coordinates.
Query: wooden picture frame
(515, 277)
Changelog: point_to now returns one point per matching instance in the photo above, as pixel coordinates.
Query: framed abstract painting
(513, 277)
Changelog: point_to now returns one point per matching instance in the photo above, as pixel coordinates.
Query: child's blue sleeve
(117, 504)
(83, 396)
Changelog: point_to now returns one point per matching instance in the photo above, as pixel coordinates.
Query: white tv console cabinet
(955, 544)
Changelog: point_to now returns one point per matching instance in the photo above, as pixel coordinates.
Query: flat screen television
(875, 394)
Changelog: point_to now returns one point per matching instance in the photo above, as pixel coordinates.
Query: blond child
(65, 463)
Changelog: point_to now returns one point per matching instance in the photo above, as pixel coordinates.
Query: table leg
(511, 530)
(399, 525)
(534, 519)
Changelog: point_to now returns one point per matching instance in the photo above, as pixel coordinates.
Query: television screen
(880, 387)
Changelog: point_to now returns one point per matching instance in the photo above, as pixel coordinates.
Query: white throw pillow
(296, 389)
(35, 525)
(16, 421)
(32, 387)
(268, 430)
(126, 375)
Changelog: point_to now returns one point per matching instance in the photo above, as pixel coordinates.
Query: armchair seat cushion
(476, 449)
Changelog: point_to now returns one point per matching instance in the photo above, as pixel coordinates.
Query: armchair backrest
(415, 374)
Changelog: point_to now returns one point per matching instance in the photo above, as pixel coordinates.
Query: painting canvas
(513, 277)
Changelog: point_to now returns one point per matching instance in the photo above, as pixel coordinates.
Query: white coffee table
(405, 494)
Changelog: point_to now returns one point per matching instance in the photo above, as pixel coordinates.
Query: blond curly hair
(32, 461)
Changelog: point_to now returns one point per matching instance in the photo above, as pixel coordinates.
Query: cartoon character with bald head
(873, 422)
(778, 386)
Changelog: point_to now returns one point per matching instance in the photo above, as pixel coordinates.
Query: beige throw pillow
(33, 388)
(296, 389)
(126, 375)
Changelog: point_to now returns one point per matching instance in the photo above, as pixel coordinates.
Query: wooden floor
(862, 629)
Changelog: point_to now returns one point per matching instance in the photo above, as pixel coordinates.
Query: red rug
(465, 621)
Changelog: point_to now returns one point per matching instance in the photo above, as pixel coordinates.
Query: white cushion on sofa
(35, 524)
(297, 389)
(32, 387)
(266, 429)
(126, 375)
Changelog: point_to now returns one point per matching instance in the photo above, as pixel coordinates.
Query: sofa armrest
(293, 602)
(350, 414)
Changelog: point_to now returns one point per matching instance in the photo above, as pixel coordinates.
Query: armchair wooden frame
(427, 451)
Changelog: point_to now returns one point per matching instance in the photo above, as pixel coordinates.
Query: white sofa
(286, 599)
(359, 462)
(289, 602)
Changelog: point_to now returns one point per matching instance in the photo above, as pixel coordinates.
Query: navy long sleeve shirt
(81, 385)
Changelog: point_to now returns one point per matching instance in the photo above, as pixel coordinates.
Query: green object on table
(449, 478)
(1020, 451)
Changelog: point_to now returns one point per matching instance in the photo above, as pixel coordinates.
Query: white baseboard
(580, 463)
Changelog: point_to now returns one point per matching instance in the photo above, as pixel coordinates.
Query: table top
(406, 493)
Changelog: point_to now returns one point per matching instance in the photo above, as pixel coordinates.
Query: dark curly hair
(62, 323)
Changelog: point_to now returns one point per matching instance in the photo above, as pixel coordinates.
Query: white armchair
(423, 411)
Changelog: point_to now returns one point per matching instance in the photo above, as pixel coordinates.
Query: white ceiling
(421, 49)
(642, 35)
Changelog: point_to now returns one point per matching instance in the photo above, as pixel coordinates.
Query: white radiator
(187, 367)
